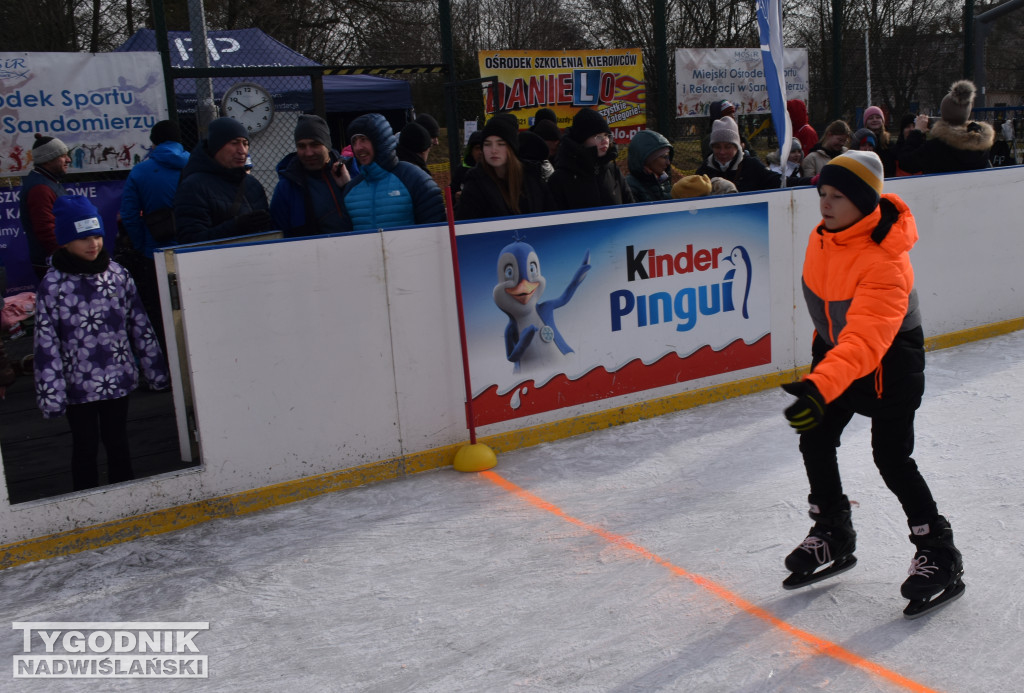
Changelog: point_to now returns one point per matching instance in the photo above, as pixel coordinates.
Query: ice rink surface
(646, 557)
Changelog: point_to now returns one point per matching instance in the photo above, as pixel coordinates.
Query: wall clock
(250, 104)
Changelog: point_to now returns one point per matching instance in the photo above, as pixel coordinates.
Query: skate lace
(820, 549)
(919, 566)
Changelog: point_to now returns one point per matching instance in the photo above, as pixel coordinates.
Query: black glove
(809, 408)
(254, 222)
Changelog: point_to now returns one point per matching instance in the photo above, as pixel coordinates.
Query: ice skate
(937, 570)
(827, 550)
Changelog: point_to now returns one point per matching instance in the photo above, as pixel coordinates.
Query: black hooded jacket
(582, 179)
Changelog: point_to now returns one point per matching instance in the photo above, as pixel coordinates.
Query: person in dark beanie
(533, 152)
(430, 124)
(728, 160)
(414, 144)
(217, 198)
(88, 361)
(548, 131)
(544, 114)
(953, 143)
(147, 202)
(307, 200)
(498, 186)
(39, 189)
(864, 141)
(586, 173)
(906, 126)
(867, 359)
(472, 154)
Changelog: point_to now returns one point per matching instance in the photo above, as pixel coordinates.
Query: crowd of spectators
(383, 180)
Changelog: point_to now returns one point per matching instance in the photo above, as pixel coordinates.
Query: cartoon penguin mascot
(739, 278)
(531, 337)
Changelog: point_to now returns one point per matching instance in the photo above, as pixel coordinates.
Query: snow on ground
(646, 557)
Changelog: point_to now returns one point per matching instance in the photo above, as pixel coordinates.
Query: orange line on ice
(820, 645)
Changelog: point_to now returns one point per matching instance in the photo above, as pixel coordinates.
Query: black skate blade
(920, 607)
(797, 580)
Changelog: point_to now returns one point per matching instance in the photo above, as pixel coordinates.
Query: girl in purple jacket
(90, 329)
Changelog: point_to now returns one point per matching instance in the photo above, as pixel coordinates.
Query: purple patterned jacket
(86, 328)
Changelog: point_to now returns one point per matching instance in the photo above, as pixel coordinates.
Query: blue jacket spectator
(387, 193)
(151, 185)
(307, 200)
(217, 198)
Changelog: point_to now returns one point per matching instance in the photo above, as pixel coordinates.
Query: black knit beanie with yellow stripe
(858, 175)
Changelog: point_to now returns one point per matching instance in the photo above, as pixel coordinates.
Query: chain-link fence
(268, 106)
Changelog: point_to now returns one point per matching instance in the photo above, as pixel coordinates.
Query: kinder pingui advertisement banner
(101, 105)
(706, 75)
(609, 81)
(565, 314)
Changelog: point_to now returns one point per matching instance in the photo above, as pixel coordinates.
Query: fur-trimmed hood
(974, 136)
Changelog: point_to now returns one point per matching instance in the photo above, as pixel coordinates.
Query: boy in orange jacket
(868, 359)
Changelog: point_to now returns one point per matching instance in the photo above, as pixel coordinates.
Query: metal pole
(981, 25)
(206, 109)
(969, 38)
(664, 113)
(837, 59)
(160, 29)
(448, 58)
(867, 65)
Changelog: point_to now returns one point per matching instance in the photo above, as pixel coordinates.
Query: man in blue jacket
(151, 186)
(308, 198)
(387, 192)
(150, 189)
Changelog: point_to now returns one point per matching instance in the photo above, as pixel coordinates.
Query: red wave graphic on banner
(526, 399)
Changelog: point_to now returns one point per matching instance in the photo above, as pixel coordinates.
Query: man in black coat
(217, 198)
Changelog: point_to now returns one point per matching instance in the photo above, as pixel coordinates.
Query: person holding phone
(951, 143)
(308, 198)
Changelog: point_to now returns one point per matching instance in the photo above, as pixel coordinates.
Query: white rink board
(320, 355)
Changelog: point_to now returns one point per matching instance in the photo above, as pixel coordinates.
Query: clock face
(249, 104)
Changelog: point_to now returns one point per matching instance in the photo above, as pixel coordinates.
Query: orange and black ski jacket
(859, 287)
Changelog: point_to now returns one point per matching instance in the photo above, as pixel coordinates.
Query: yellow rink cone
(474, 458)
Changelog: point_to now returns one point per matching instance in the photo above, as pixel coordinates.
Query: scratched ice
(646, 557)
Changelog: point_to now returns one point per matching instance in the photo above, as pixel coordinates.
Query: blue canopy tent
(349, 95)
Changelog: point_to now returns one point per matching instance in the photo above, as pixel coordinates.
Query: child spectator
(802, 129)
(833, 143)
(90, 328)
(864, 140)
(497, 186)
(874, 120)
(792, 167)
(691, 186)
(649, 160)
